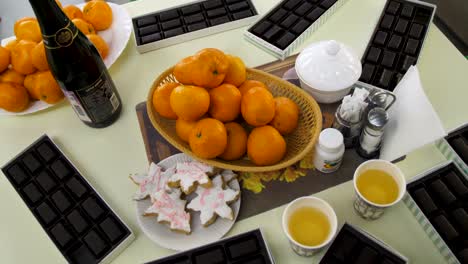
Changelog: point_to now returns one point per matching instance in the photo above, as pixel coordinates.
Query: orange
(237, 142)
(11, 44)
(47, 88)
(12, 76)
(208, 139)
(85, 27)
(30, 85)
(99, 14)
(183, 128)
(248, 84)
(184, 70)
(72, 12)
(189, 102)
(225, 102)
(286, 115)
(265, 146)
(13, 97)
(100, 44)
(21, 20)
(38, 57)
(29, 30)
(236, 73)
(4, 58)
(21, 59)
(258, 106)
(211, 68)
(161, 100)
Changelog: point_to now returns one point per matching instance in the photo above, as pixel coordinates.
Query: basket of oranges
(212, 107)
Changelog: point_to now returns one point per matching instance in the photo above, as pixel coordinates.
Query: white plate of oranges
(26, 84)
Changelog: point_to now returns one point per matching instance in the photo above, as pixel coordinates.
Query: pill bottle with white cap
(329, 150)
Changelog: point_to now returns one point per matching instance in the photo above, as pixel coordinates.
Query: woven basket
(299, 143)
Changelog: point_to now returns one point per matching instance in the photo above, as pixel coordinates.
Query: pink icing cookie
(188, 174)
(170, 208)
(152, 182)
(228, 176)
(213, 202)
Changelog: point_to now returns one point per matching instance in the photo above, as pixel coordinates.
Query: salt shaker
(372, 134)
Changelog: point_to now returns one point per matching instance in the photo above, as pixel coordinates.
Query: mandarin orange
(225, 102)
(265, 146)
(286, 115)
(183, 128)
(13, 97)
(237, 142)
(258, 106)
(208, 139)
(190, 102)
(161, 100)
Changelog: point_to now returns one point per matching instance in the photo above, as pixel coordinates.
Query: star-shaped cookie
(151, 182)
(190, 174)
(214, 201)
(170, 208)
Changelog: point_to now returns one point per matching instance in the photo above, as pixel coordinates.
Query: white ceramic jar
(327, 70)
(329, 150)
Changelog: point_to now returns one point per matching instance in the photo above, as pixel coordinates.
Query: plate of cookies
(182, 203)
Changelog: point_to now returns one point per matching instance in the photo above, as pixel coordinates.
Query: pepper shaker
(372, 134)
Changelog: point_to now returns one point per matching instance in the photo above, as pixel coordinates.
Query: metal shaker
(349, 130)
(372, 133)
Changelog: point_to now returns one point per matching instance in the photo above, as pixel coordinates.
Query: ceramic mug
(319, 204)
(367, 209)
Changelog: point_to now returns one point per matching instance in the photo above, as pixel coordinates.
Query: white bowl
(324, 96)
(327, 70)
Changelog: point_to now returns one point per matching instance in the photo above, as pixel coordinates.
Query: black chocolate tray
(190, 18)
(396, 43)
(458, 140)
(288, 20)
(353, 246)
(443, 198)
(70, 211)
(246, 248)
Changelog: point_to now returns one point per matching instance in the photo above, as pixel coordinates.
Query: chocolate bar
(461, 219)
(444, 227)
(459, 143)
(353, 245)
(246, 248)
(456, 184)
(396, 43)
(442, 196)
(151, 30)
(79, 222)
(289, 20)
(425, 201)
(463, 256)
(442, 192)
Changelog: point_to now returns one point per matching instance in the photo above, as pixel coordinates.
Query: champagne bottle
(77, 67)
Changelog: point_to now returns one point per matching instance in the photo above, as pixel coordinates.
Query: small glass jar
(349, 130)
(329, 150)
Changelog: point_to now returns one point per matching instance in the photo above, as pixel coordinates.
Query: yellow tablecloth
(106, 156)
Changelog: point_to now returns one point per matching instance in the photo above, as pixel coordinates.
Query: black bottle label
(95, 103)
(64, 37)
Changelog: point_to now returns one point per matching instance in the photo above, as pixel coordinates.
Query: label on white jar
(330, 165)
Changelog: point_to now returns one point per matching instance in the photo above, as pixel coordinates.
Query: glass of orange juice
(379, 184)
(310, 224)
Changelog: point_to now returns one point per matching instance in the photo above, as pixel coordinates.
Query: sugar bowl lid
(328, 66)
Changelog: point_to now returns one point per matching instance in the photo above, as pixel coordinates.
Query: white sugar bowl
(327, 70)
